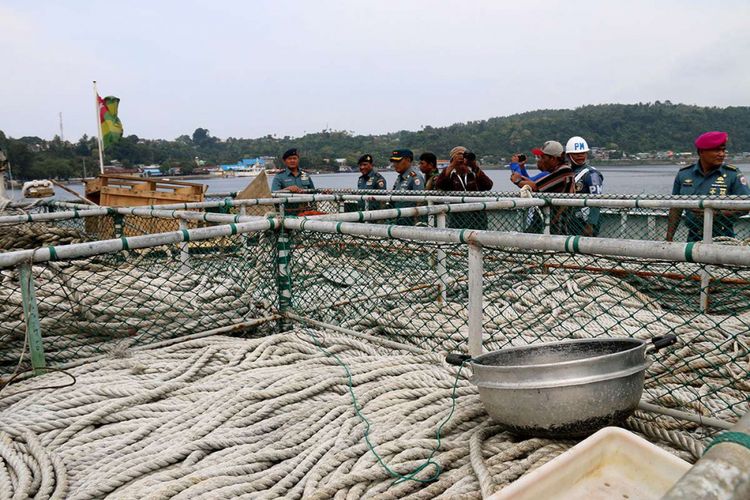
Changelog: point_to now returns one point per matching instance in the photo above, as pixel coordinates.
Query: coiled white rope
(222, 417)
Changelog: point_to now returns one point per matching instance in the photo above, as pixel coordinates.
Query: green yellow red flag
(111, 125)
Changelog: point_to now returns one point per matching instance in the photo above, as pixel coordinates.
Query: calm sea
(639, 179)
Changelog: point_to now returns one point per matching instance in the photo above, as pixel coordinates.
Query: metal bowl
(563, 389)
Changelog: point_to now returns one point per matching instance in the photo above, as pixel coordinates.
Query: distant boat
(345, 168)
(252, 171)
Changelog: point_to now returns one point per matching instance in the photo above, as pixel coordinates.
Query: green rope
(399, 477)
(739, 438)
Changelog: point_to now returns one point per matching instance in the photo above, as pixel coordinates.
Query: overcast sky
(251, 68)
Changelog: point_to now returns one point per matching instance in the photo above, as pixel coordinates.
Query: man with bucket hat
(709, 176)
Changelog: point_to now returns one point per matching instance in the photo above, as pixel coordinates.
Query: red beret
(711, 140)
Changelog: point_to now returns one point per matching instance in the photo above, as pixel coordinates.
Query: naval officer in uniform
(710, 176)
(370, 179)
(408, 180)
(293, 180)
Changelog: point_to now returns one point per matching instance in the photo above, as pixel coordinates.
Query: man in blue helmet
(585, 221)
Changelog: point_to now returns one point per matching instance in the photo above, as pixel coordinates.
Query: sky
(282, 67)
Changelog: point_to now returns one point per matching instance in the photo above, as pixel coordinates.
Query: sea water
(632, 180)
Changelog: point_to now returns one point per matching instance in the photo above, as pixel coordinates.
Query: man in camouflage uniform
(428, 167)
(712, 177)
(370, 179)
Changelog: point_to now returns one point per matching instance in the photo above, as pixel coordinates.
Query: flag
(111, 125)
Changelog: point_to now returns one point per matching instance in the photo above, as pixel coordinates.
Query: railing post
(708, 237)
(623, 223)
(440, 265)
(284, 281)
(722, 471)
(475, 312)
(651, 224)
(430, 218)
(119, 222)
(546, 210)
(184, 250)
(243, 210)
(31, 318)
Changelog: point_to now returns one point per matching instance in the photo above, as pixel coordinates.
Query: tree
(83, 146)
(200, 136)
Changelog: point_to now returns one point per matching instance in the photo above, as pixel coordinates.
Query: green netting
(107, 303)
(397, 289)
(407, 291)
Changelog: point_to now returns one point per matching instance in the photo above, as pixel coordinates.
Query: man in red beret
(710, 176)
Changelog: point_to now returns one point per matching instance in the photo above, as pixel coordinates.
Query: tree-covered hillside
(630, 128)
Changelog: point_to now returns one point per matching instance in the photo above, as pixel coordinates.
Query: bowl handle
(661, 342)
(457, 359)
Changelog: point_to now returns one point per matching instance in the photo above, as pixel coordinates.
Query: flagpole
(99, 128)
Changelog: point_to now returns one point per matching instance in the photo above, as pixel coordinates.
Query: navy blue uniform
(372, 180)
(410, 180)
(723, 181)
(286, 179)
(588, 181)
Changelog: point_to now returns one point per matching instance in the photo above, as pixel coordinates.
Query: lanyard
(463, 181)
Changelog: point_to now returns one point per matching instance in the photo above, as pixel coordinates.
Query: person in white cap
(588, 180)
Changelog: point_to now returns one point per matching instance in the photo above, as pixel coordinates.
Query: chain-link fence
(110, 302)
(417, 293)
(411, 291)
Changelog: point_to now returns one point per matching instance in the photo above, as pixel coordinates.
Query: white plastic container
(611, 464)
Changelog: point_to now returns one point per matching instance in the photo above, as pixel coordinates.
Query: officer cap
(289, 152)
(364, 159)
(398, 154)
(711, 140)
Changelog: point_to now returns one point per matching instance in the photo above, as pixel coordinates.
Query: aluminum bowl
(564, 389)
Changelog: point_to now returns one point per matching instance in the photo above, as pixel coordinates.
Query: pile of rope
(84, 305)
(222, 417)
(38, 234)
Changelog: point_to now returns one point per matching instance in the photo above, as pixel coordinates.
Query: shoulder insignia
(412, 173)
(579, 187)
(731, 167)
(381, 184)
(743, 180)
